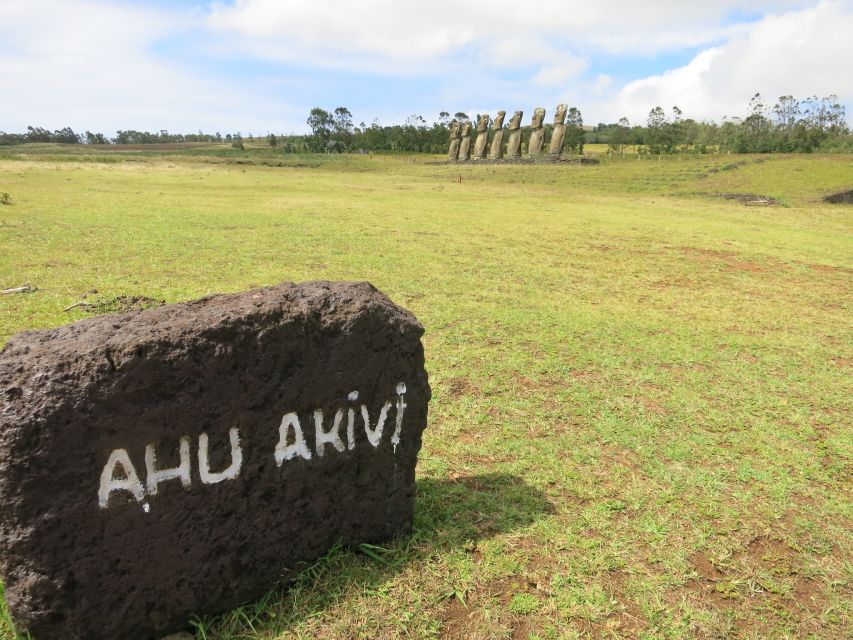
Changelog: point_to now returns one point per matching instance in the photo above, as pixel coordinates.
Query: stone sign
(185, 459)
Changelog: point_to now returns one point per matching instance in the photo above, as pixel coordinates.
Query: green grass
(640, 423)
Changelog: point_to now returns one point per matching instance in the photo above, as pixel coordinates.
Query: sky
(259, 66)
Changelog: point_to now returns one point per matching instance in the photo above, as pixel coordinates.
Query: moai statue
(513, 148)
(559, 135)
(497, 150)
(465, 144)
(482, 137)
(537, 134)
(455, 141)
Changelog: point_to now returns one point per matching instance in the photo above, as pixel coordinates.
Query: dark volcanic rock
(842, 197)
(184, 459)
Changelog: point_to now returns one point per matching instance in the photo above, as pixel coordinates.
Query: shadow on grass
(449, 514)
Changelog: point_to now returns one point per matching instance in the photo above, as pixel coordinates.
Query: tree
(272, 140)
(786, 111)
(574, 131)
(756, 128)
(342, 125)
(656, 125)
(321, 124)
(95, 138)
(619, 136)
(674, 131)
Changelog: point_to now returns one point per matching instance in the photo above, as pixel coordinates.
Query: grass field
(641, 415)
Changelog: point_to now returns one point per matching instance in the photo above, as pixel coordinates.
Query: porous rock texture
(141, 565)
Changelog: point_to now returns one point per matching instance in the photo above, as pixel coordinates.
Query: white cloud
(420, 31)
(107, 64)
(566, 68)
(88, 64)
(471, 49)
(800, 53)
(602, 84)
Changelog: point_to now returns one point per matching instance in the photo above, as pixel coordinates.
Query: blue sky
(260, 65)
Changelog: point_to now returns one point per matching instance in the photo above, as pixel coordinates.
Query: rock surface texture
(497, 148)
(482, 143)
(455, 141)
(558, 137)
(513, 147)
(185, 459)
(537, 133)
(465, 143)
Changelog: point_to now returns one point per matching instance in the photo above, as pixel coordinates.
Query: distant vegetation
(791, 125)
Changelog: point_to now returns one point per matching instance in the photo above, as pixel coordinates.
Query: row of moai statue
(460, 137)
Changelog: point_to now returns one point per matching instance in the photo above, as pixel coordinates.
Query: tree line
(790, 125)
(68, 136)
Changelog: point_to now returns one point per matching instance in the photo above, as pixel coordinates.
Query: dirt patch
(842, 197)
(737, 265)
(763, 575)
(459, 386)
(767, 556)
(826, 268)
(468, 438)
(707, 253)
(522, 630)
(823, 267)
(619, 457)
(544, 383)
(764, 549)
(630, 617)
(704, 567)
(457, 619)
(752, 199)
(731, 264)
(586, 374)
(651, 406)
(709, 587)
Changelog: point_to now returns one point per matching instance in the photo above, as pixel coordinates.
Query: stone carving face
(560, 116)
(466, 130)
(515, 123)
(538, 117)
(454, 129)
(499, 120)
(483, 123)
